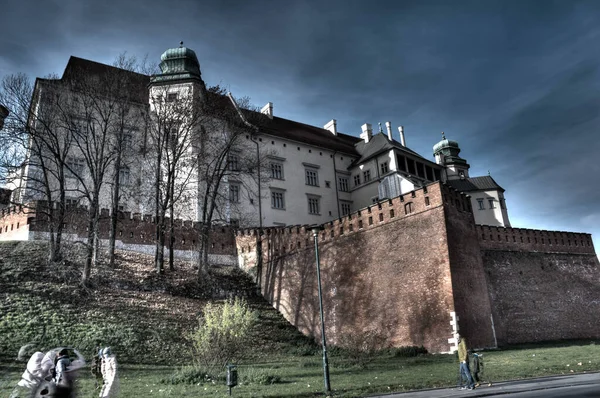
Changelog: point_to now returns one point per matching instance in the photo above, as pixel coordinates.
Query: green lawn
(302, 376)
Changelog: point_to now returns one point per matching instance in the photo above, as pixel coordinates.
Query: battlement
(17, 222)
(291, 238)
(533, 240)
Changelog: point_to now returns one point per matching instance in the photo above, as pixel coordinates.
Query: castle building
(313, 175)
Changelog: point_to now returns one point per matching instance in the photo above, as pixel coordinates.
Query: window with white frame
(384, 167)
(480, 203)
(357, 180)
(278, 199)
(124, 175)
(367, 175)
(127, 141)
(74, 167)
(233, 162)
(343, 184)
(276, 170)
(491, 202)
(312, 177)
(234, 193)
(171, 97)
(345, 208)
(313, 205)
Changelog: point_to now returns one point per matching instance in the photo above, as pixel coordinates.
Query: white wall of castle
(494, 212)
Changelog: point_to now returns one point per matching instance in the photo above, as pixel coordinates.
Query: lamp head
(315, 228)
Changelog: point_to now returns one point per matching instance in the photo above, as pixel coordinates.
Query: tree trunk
(87, 268)
(112, 235)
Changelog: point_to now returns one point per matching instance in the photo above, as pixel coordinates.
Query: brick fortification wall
(385, 271)
(133, 230)
(471, 297)
(544, 285)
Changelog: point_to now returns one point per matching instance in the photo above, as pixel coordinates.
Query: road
(585, 385)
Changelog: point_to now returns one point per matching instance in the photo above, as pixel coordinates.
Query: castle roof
(485, 183)
(379, 144)
(304, 133)
(137, 83)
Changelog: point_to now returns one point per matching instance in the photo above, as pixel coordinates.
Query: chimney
(388, 126)
(331, 126)
(367, 132)
(268, 110)
(401, 130)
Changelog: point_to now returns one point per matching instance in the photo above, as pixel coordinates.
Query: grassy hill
(144, 316)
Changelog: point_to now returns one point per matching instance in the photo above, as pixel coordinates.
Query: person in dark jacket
(61, 366)
(463, 358)
(96, 368)
(477, 368)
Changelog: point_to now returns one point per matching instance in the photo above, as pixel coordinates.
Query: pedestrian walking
(463, 358)
(110, 387)
(96, 368)
(477, 368)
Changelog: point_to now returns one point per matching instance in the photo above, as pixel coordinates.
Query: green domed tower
(178, 65)
(446, 154)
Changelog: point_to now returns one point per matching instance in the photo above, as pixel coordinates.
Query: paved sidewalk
(501, 388)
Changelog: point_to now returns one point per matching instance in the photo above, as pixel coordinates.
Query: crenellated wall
(533, 240)
(403, 265)
(543, 285)
(385, 270)
(134, 231)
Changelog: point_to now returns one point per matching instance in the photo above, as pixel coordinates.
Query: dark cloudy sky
(516, 83)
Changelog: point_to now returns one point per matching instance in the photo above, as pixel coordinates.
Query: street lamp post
(315, 231)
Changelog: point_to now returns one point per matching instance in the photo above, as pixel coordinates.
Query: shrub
(188, 375)
(259, 376)
(223, 334)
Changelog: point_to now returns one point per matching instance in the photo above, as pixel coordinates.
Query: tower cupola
(178, 64)
(446, 154)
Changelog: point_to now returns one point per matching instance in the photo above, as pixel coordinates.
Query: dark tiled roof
(306, 134)
(380, 143)
(136, 83)
(475, 184)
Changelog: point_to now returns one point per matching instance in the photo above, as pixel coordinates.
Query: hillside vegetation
(144, 316)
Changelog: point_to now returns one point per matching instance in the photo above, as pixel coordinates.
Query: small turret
(446, 154)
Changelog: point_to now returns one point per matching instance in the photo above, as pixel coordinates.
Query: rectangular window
(491, 202)
(233, 162)
(171, 97)
(74, 167)
(421, 170)
(234, 193)
(357, 180)
(384, 167)
(124, 175)
(277, 200)
(401, 163)
(313, 205)
(429, 172)
(480, 202)
(276, 171)
(312, 177)
(127, 141)
(345, 208)
(411, 166)
(367, 175)
(343, 184)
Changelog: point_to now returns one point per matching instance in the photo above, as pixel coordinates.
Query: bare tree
(175, 118)
(39, 143)
(132, 114)
(225, 160)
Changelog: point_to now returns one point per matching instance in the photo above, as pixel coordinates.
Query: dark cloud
(514, 81)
